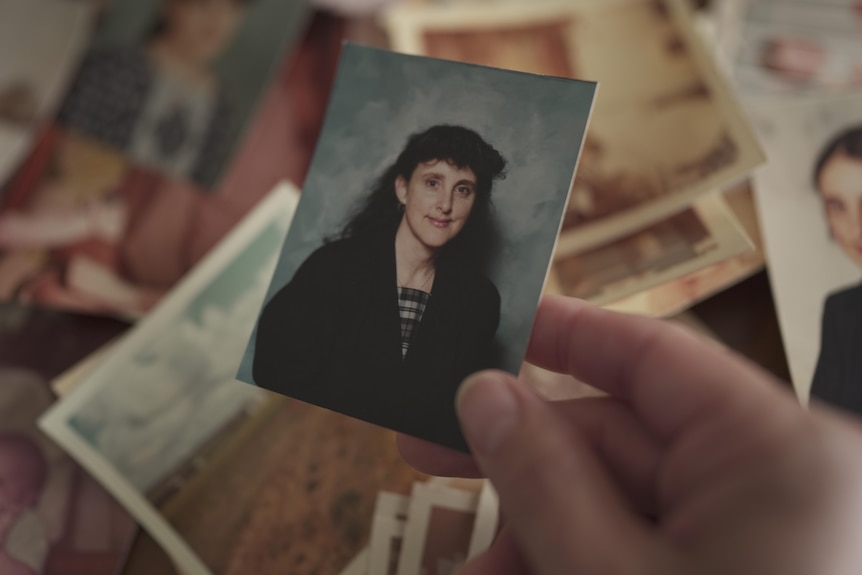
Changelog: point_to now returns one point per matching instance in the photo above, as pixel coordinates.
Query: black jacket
(332, 337)
(838, 378)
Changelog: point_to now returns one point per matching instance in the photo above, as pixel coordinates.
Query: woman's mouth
(438, 223)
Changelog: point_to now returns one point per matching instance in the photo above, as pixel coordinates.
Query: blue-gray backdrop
(380, 98)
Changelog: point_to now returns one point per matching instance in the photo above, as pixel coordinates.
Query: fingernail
(488, 410)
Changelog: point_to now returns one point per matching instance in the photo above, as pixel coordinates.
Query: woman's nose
(445, 203)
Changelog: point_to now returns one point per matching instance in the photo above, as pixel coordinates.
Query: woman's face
(841, 189)
(203, 28)
(437, 201)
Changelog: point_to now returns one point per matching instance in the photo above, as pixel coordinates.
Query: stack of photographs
(666, 137)
(442, 524)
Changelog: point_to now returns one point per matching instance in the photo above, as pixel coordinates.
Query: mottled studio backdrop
(380, 98)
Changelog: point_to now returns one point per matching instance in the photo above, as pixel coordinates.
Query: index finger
(670, 377)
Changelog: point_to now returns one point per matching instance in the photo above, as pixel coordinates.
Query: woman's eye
(465, 190)
(432, 183)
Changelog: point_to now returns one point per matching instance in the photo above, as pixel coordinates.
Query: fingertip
(488, 409)
(434, 459)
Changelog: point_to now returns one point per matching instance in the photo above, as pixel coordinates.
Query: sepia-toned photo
(82, 228)
(422, 240)
(665, 129)
(785, 47)
(677, 295)
(156, 413)
(171, 83)
(810, 203)
(696, 238)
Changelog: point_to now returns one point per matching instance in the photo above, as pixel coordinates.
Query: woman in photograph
(160, 102)
(384, 321)
(838, 178)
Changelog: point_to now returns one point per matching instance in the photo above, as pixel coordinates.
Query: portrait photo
(422, 240)
(666, 127)
(172, 83)
(810, 202)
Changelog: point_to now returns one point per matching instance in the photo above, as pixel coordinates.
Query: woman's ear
(401, 189)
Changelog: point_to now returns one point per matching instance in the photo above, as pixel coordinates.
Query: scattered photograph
(82, 228)
(691, 240)
(673, 297)
(387, 533)
(422, 240)
(154, 413)
(809, 198)
(786, 47)
(440, 521)
(666, 127)
(54, 518)
(487, 520)
(171, 83)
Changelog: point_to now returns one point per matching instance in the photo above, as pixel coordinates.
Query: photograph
(782, 47)
(81, 228)
(691, 240)
(675, 296)
(666, 126)
(172, 83)
(809, 199)
(144, 420)
(422, 240)
(387, 533)
(440, 521)
(55, 519)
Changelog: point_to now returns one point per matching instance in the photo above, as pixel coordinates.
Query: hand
(696, 462)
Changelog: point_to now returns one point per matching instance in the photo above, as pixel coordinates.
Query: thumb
(560, 503)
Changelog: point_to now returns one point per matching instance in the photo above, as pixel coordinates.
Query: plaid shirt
(411, 306)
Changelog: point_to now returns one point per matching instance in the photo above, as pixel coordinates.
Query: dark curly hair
(848, 142)
(381, 211)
